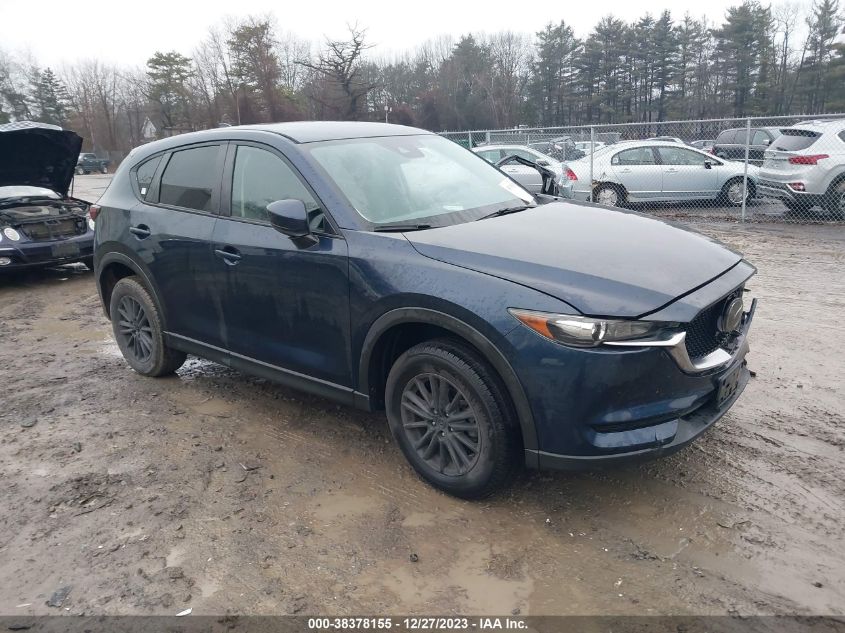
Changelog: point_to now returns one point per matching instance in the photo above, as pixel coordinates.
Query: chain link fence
(775, 169)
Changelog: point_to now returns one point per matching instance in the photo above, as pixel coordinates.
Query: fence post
(745, 170)
(592, 146)
(469, 140)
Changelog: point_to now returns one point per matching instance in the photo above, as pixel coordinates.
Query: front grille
(703, 335)
(54, 229)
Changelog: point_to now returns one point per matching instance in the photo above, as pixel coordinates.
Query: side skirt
(295, 380)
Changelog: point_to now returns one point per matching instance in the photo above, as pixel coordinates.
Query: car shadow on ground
(40, 276)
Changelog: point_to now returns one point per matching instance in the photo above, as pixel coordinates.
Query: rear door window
(635, 156)
(491, 155)
(190, 178)
(793, 140)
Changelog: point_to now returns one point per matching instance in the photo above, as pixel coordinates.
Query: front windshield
(425, 179)
(25, 191)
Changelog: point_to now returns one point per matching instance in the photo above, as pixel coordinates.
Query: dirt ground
(226, 493)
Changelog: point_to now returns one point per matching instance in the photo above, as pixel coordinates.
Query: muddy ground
(226, 493)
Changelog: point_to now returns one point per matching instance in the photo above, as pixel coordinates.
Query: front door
(285, 303)
(687, 174)
(637, 170)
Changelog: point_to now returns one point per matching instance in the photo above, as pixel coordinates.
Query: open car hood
(38, 155)
(603, 262)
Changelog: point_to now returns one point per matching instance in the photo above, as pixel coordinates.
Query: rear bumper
(782, 191)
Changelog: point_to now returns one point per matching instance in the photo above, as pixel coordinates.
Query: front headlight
(12, 234)
(578, 331)
(91, 224)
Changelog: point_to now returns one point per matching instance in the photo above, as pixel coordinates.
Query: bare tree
(344, 86)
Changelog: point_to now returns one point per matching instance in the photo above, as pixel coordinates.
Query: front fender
(489, 351)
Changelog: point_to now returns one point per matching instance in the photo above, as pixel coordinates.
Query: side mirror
(542, 161)
(708, 164)
(289, 217)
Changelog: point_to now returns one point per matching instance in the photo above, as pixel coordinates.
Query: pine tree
(50, 99)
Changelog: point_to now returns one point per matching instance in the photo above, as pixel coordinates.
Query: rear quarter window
(842, 135)
(792, 140)
(144, 175)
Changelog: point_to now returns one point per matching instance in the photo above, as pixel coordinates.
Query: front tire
(452, 419)
(138, 330)
(731, 193)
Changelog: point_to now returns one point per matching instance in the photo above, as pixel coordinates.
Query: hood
(603, 262)
(38, 155)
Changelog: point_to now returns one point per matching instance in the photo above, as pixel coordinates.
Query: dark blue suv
(386, 267)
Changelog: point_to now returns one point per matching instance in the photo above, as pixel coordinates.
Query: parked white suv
(805, 166)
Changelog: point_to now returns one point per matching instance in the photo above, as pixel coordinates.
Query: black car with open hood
(40, 224)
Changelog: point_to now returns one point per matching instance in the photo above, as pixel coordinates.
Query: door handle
(624, 171)
(671, 171)
(228, 254)
(141, 231)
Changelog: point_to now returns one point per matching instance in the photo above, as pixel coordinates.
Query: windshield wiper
(400, 228)
(508, 210)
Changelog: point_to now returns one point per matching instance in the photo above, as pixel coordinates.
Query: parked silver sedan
(658, 171)
(527, 176)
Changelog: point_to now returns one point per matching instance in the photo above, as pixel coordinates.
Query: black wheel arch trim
(120, 258)
(483, 344)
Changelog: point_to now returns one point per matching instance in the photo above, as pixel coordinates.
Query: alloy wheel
(135, 329)
(608, 196)
(440, 424)
(735, 192)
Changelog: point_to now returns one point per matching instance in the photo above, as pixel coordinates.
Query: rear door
(285, 303)
(638, 171)
(171, 232)
(686, 174)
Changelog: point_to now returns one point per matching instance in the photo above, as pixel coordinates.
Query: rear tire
(609, 195)
(452, 419)
(138, 330)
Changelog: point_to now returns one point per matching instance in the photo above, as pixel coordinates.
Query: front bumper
(34, 254)
(666, 438)
(612, 405)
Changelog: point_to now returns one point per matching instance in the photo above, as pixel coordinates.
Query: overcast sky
(129, 31)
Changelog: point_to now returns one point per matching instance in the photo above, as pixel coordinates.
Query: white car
(805, 166)
(659, 171)
(526, 176)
